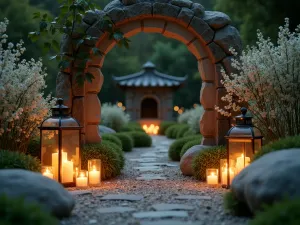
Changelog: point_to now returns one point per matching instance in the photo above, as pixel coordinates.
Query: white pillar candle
(94, 176)
(224, 176)
(67, 171)
(55, 162)
(240, 165)
(212, 179)
(81, 181)
(48, 173)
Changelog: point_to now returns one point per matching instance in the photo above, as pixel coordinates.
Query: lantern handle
(244, 111)
(60, 101)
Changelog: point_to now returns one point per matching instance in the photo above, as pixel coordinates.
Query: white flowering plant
(268, 80)
(22, 105)
(113, 117)
(194, 120)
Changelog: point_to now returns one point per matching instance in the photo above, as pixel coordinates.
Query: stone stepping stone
(116, 209)
(160, 214)
(171, 207)
(192, 197)
(144, 160)
(80, 192)
(151, 177)
(122, 197)
(152, 155)
(157, 164)
(148, 169)
(168, 222)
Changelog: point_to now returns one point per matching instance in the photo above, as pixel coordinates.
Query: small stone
(144, 160)
(122, 197)
(151, 177)
(192, 197)
(160, 214)
(116, 210)
(150, 169)
(171, 207)
(93, 221)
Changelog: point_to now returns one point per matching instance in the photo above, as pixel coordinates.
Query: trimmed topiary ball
(112, 138)
(171, 132)
(285, 212)
(110, 159)
(17, 211)
(208, 158)
(181, 130)
(16, 160)
(132, 126)
(189, 133)
(176, 146)
(140, 139)
(188, 145)
(118, 150)
(284, 143)
(234, 206)
(127, 141)
(164, 126)
(34, 148)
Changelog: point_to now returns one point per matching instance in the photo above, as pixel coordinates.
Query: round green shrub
(164, 126)
(188, 145)
(171, 131)
(127, 141)
(234, 206)
(17, 211)
(132, 126)
(176, 146)
(34, 148)
(140, 139)
(16, 160)
(284, 143)
(112, 138)
(208, 158)
(189, 133)
(110, 159)
(181, 130)
(285, 212)
(118, 150)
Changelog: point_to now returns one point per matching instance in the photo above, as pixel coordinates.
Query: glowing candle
(240, 163)
(81, 181)
(55, 162)
(48, 173)
(224, 176)
(67, 171)
(212, 178)
(94, 176)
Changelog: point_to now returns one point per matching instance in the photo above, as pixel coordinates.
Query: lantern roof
(149, 77)
(244, 127)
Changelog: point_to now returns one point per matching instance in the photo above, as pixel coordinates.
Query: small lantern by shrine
(60, 145)
(243, 141)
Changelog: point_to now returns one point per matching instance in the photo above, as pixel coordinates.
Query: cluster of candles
(212, 175)
(152, 129)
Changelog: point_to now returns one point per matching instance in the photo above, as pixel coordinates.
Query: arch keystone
(165, 9)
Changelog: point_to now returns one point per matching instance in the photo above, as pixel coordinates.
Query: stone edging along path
(159, 197)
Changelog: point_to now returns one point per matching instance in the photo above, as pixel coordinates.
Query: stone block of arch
(207, 34)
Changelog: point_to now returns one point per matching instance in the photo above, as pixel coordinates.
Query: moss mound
(112, 138)
(284, 143)
(172, 131)
(127, 141)
(132, 126)
(140, 139)
(164, 126)
(188, 145)
(208, 158)
(118, 150)
(181, 130)
(17, 211)
(189, 133)
(110, 159)
(176, 146)
(16, 160)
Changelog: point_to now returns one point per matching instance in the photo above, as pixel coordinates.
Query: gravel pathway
(154, 192)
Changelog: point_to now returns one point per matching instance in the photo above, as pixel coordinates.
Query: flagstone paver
(195, 197)
(123, 197)
(151, 177)
(160, 214)
(144, 160)
(116, 209)
(168, 222)
(148, 169)
(170, 207)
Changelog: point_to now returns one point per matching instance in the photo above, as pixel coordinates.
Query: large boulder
(270, 178)
(106, 130)
(186, 160)
(35, 187)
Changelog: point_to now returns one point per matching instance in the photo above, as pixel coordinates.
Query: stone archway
(207, 34)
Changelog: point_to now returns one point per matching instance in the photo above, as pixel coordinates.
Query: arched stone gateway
(207, 34)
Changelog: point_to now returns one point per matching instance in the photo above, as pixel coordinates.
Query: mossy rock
(140, 139)
(110, 159)
(17, 211)
(284, 143)
(164, 126)
(176, 146)
(286, 212)
(112, 138)
(16, 160)
(127, 141)
(208, 158)
(181, 130)
(118, 150)
(235, 207)
(188, 145)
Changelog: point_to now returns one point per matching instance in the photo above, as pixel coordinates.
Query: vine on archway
(68, 23)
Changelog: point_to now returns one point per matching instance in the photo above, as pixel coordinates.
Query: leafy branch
(68, 23)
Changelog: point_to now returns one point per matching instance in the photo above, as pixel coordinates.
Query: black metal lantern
(243, 141)
(60, 145)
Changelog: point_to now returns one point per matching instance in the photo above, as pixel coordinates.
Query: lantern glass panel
(69, 122)
(257, 145)
(240, 151)
(70, 157)
(224, 171)
(49, 151)
(94, 166)
(51, 122)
